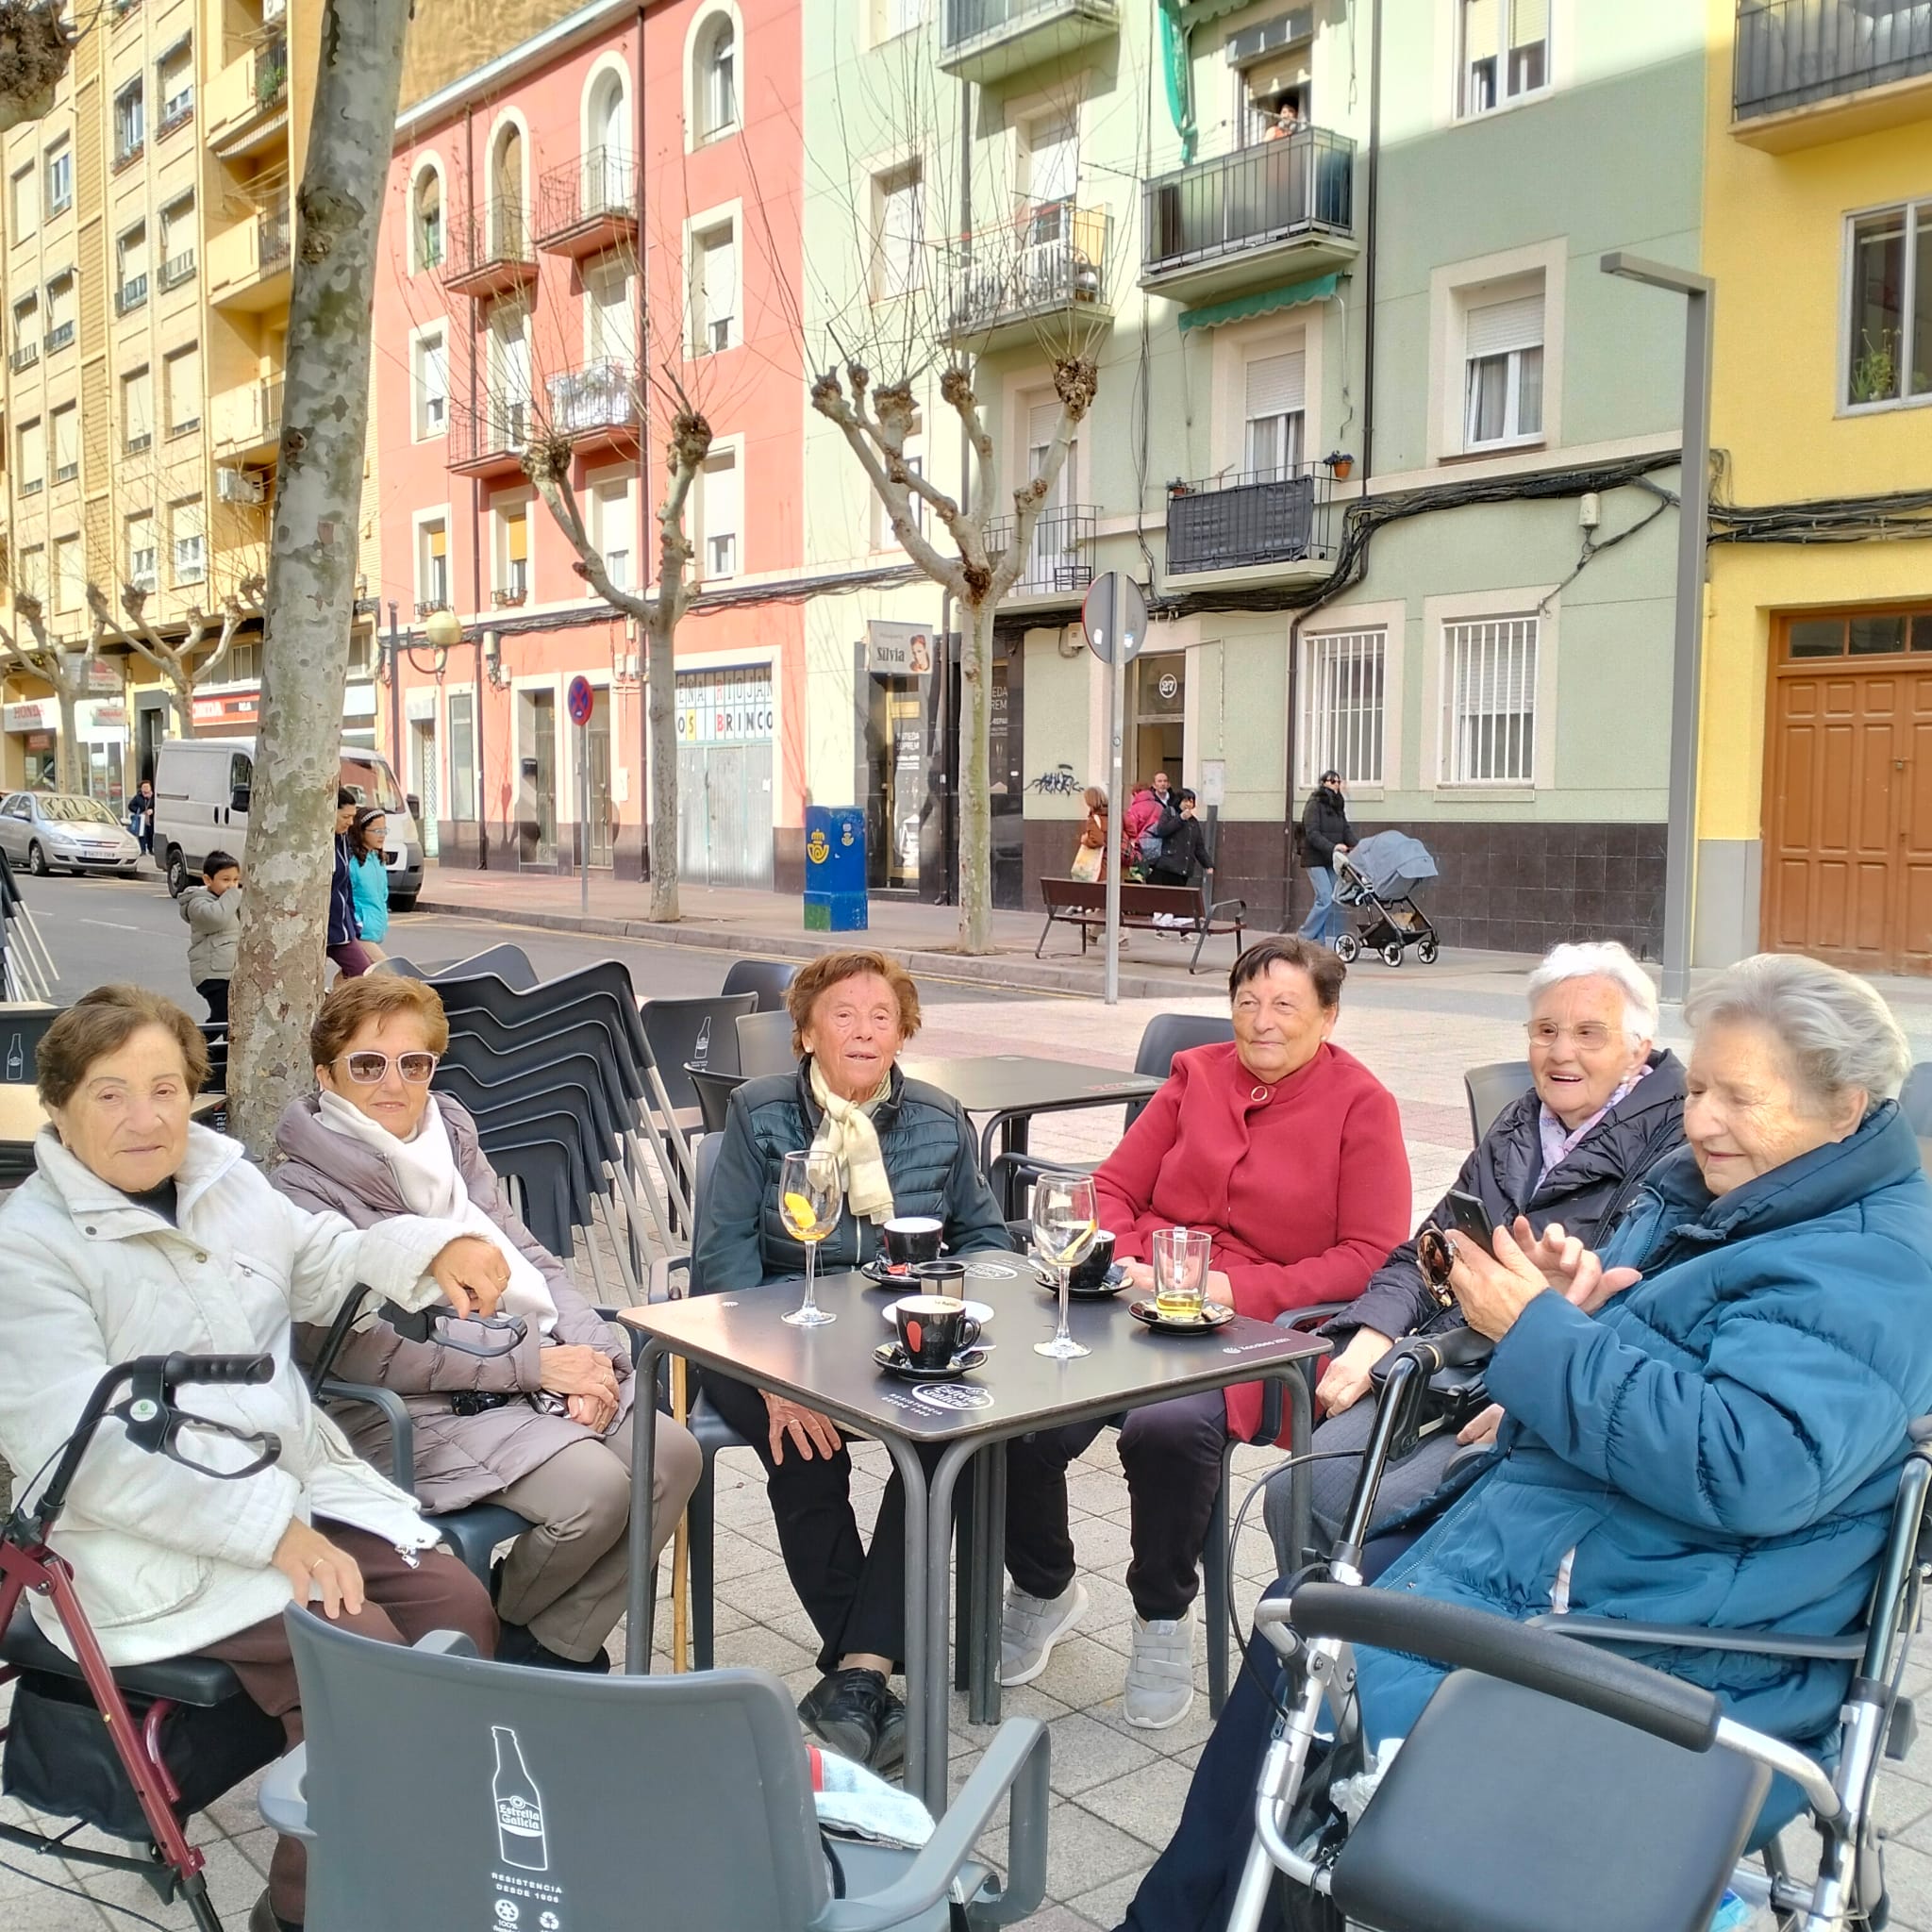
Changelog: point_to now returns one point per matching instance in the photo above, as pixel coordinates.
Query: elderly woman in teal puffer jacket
(903, 1148)
(1704, 1425)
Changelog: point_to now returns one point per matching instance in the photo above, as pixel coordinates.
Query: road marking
(112, 925)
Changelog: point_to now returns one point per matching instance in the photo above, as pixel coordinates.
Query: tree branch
(546, 462)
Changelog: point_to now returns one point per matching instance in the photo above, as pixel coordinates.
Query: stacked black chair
(764, 1044)
(765, 978)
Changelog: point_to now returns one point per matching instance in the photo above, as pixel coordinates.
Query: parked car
(47, 831)
(202, 787)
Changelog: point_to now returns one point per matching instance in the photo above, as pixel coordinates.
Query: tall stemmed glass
(1065, 1221)
(810, 1200)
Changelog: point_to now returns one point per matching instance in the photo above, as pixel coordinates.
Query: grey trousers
(565, 1576)
(1332, 1482)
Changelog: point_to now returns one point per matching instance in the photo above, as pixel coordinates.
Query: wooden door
(1848, 825)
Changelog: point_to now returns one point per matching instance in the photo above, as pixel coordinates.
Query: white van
(201, 806)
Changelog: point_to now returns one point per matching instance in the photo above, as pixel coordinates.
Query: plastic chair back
(512, 1776)
(765, 979)
(1167, 1034)
(1915, 1099)
(589, 1025)
(693, 1033)
(542, 1173)
(1491, 1089)
(764, 1044)
(714, 1091)
(510, 964)
(706, 1161)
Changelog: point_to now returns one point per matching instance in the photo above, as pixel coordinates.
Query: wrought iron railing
(272, 71)
(1301, 184)
(498, 426)
(601, 395)
(602, 186)
(1242, 522)
(495, 235)
(132, 294)
(1060, 557)
(1791, 53)
(274, 234)
(1052, 258)
(177, 268)
(968, 20)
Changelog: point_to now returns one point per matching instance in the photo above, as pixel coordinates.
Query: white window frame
(170, 223)
(1455, 288)
(698, 332)
(594, 485)
(187, 555)
(60, 151)
(145, 373)
(1917, 213)
(1505, 98)
(422, 339)
(700, 37)
(1440, 616)
(419, 263)
(891, 281)
(182, 101)
(420, 525)
(1358, 750)
(887, 18)
(25, 194)
(1515, 361)
(600, 274)
(142, 577)
(703, 535)
(501, 504)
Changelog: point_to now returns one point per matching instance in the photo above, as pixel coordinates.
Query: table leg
(966, 1563)
(640, 1595)
(984, 1708)
(921, 1663)
(1300, 1501)
(926, 1775)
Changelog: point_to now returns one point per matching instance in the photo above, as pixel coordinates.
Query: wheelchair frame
(1312, 1627)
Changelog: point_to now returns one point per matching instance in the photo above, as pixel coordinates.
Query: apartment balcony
(1806, 72)
(1270, 528)
(1047, 268)
(595, 406)
(490, 251)
(1059, 560)
(490, 438)
(587, 207)
(248, 264)
(247, 104)
(1280, 211)
(991, 40)
(247, 423)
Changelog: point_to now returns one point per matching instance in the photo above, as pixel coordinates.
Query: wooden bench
(1145, 908)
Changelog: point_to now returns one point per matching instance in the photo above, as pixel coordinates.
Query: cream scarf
(426, 1176)
(848, 1135)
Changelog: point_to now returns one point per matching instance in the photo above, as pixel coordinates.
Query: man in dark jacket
(1325, 831)
(344, 942)
(1184, 854)
(855, 1596)
(1603, 1108)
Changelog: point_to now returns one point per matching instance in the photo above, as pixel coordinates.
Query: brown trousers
(401, 1603)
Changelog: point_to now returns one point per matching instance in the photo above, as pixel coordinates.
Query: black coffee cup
(934, 1328)
(1091, 1272)
(908, 1240)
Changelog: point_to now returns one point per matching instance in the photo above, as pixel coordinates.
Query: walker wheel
(1348, 949)
(1427, 951)
(1391, 952)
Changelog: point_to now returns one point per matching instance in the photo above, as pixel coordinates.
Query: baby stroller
(1377, 879)
(1551, 1781)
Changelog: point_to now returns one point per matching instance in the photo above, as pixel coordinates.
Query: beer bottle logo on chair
(520, 1837)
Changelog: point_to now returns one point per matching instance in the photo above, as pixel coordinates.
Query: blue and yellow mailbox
(835, 868)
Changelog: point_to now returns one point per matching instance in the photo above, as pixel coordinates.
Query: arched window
(714, 88)
(608, 147)
(506, 194)
(425, 219)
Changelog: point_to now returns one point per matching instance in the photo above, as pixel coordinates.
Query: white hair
(1836, 1031)
(1602, 959)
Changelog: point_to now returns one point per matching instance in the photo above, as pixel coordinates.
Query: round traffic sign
(1115, 609)
(579, 699)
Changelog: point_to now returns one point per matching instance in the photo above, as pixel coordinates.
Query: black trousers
(215, 991)
(854, 1597)
(1171, 1451)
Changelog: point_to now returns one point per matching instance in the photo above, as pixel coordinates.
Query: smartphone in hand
(1468, 1216)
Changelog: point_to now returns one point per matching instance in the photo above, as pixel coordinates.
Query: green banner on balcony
(1245, 308)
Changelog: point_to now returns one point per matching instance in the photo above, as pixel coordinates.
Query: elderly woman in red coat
(1287, 1151)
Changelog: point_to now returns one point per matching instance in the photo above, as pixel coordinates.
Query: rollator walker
(1551, 1785)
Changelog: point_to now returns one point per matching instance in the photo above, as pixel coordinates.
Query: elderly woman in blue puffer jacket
(1706, 1423)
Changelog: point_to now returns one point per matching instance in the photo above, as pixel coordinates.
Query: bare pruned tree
(39, 655)
(186, 663)
(35, 44)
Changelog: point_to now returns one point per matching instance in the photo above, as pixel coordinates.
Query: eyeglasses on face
(366, 1067)
(1586, 1038)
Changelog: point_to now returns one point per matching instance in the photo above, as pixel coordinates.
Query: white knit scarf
(847, 1134)
(430, 1182)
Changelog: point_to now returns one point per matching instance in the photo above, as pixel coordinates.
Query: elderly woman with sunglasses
(545, 1429)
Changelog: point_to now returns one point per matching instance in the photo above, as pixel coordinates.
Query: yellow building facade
(1815, 792)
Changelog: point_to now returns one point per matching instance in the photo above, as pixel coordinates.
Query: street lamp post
(1686, 677)
(443, 631)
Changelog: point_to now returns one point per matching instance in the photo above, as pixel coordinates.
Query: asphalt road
(102, 930)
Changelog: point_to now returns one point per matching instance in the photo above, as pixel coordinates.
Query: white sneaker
(1031, 1626)
(1160, 1673)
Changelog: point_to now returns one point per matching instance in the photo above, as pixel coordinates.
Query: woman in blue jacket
(369, 876)
(1706, 1423)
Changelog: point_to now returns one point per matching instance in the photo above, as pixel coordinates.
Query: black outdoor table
(1013, 1393)
(1012, 1088)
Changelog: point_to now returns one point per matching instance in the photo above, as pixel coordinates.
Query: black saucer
(896, 1361)
(1212, 1316)
(1105, 1288)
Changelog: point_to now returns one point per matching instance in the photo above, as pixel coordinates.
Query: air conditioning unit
(238, 486)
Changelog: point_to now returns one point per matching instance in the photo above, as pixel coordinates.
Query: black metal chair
(1491, 1089)
(510, 964)
(694, 1033)
(765, 979)
(764, 1044)
(714, 1091)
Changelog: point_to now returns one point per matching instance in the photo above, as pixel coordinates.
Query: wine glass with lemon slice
(809, 1201)
(1066, 1221)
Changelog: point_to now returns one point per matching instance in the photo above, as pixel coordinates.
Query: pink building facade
(561, 246)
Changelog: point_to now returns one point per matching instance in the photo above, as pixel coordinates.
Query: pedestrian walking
(1325, 832)
(141, 816)
(1090, 855)
(344, 942)
(369, 878)
(1184, 852)
(212, 911)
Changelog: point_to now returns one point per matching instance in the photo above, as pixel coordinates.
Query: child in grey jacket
(213, 913)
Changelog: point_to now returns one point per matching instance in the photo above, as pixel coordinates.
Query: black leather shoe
(516, 1645)
(262, 1918)
(889, 1754)
(846, 1712)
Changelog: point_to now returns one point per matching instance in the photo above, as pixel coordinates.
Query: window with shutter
(1504, 53)
(182, 370)
(719, 510)
(66, 443)
(1275, 404)
(1503, 352)
(1489, 714)
(900, 215)
(1342, 722)
(716, 323)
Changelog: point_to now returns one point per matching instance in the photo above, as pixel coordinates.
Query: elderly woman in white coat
(544, 1428)
(142, 1234)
